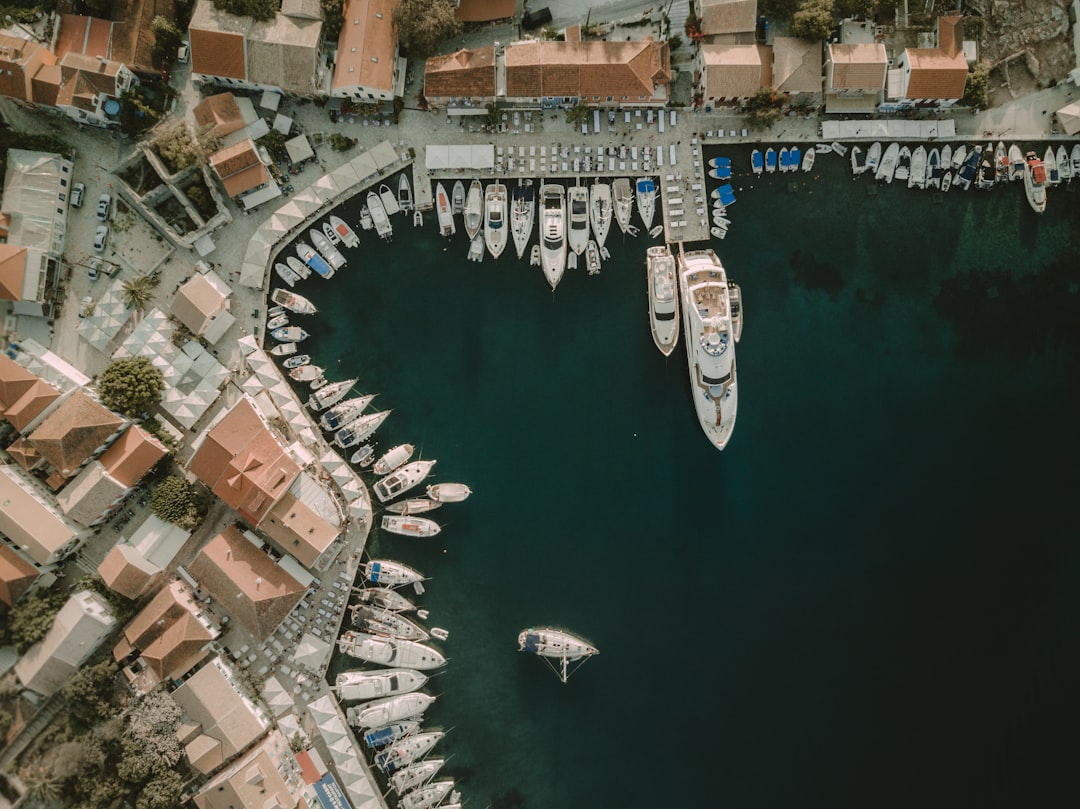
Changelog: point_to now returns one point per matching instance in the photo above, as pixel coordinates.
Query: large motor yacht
(553, 232)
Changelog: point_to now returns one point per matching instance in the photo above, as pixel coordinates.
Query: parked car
(103, 203)
(77, 192)
(86, 307)
(101, 237)
(182, 54)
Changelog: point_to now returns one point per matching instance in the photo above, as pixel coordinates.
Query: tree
(161, 792)
(130, 386)
(151, 729)
(167, 37)
(578, 114)
(90, 692)
(139, 291)
(179, 149)
(41, 785)
(31, 618)
(174, 500)
(333, 18)
(136, 115)
(763, 109)
(424, 24)
(261, 10)
(977, 89)
(813, 20)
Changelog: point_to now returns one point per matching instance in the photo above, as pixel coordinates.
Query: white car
(103, 203)
(101, 238)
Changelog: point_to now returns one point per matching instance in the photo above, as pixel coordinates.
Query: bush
(341, 143)
(131, 386)
(31, 618)
(177, 501)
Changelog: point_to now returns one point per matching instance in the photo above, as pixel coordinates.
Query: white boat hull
(358, 685)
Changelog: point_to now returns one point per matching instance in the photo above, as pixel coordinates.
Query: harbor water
(868, 599)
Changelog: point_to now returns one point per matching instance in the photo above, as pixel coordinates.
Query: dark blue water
(868, 599)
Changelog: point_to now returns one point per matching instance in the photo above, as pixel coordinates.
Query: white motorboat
(1053, 176)
(283, 349)
(407, 750)
(577, 203)
(366, 222)
(316, 262)
(390, 734)
(903, 164)
(285, 273)
(345, 233)
(557, 647)
(444, 211)
(946, 180)
(785, 160)
(757, 161)
(404, 193)
(296, 360)
(969, 169)
(305, 373)
(383, 598)
(394, 458)
(293, 302)
(474, 209)
(1064, 164)
(364, 455)
(457, 199)
(624, 202)
(278, 321)
(1074, 159)
(1035, 183)
(379, 216)
(646, 199)
(476, 249)
(735, 304)
(394, 652)
(331, 234)
(770, 160)
(933, 168)
(1017, 164)
(376, 621)
(409, 526)
(360, 429)
(858, 161)
(808, 159)
(600, 211)
(553, 232)
(710, 344)
(330, 395)
(345, 412)
(838, 147)
(522, 213)
(663, 300)
(357, 685)
(389, 201)
(946, 159)
(917, 173)
(301, 269)
(448, 492)
(397, 483)
(495, 207)
(289, 334)
(417, 219)
(384, 711)
(415, 775)
(959, 155)
(534, 256)
(428, 796)
(873, 157)
(887, 167)
(332, 255)
(414, 505)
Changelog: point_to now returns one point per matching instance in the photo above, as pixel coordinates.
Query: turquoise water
(868, 599)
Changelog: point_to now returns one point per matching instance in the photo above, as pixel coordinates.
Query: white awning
(270, 100)
(460, 157)
(262, 195)
(455, 111)
(299, 149)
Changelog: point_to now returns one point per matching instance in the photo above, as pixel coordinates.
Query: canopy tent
(1069, 118)
(277, 697)
(108, 318)
(336, 466)
(345, 176)
(888, 129)
(282, 123)
(307, 201)
(465, 156)
(270, 100)
(383, 154)
(364, 166)
(299, 149)
(313, 652)
(257, 129)
(326, 188)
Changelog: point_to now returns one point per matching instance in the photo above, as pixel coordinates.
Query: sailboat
(553, 232)
(474, 209)
(624, 202)
(600, 211)
(577, 200)
(444, 211)
(522, 212)
(557, 647)
(495, 218)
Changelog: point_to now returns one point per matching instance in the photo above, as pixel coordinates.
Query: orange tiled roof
(46, 84)
(121, 572)
(467, 72)
(485, 10)
(74, 431)
(166, 633)
(132, 455)
(78, 34)
(20, 60)
(736, 71)
(796, 65)
(935, 74)
(16, 575)
(220, 112)
(582, 69)
(12, 271)
(15, 380)
(728, 16)
(217, 53)
(858, 67)
(299, 530)
(367, 45)
(31, 404)
(24, 453)
(239, 167)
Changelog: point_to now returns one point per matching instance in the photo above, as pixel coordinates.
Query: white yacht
(330, 394)
(555, 645)
(301, 269)
(710, 343)
(332, 255)
(624, 202)
(600, 211)
(354, 685)
(887, 167)
(389, 651)
(444, 211)
(345, 233)
(387, 710)
(393, 458)
(495, 218)
(378, 216)
(522, 213)
(474, 209)
(293, 302)
(405, 750)
(409, 526)
(399, 482)
(457, 198)
(577, 201)
(663, 298)
(552, 232)
(404, 193)
(448, 492)
(389, 573)
(415, 775)
(646, 200)
(359, 429)
(389, 201)
(1035, 183)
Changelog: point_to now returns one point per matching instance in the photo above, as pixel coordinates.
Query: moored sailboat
(522, 212)
(330, 394)
(600, 211)
(410, 526)
(624, 202)
(646, 200)
(557, 647)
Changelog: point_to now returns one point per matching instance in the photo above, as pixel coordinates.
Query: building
(796, 69)
(281, 54)
(33, 218)
(220, 720)
(168, 637)
(221, 114)
(250, 586)
(202, 305)
(243, 174)
(73, 434)
(932, 77)
(20, 61)
(31, 525)
(267, 777)
(24, 396)
(728, 22)
(732, 74)
(465, 78)
(101, 486)
(17, 575)
(367, 68)
(135, 568)
(855, 75)
(78, 629)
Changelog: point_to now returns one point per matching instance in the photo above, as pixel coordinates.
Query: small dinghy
(409, 526)
(364, 456)
(297, 360)
(286, 274)
(284, 349)
(448, 492)
(279, 322)
(417, 219)
(415, 505)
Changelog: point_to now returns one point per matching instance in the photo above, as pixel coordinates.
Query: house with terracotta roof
(220, 113)
(31, 524)
(367, 68)
(202, 305)
(732, 74)
(729, 22)
(166, 639)
(220, 719)
(254, 589)
(464, 78)
(24, 396)
(932, 77)
(97, 491)
(17, 575)
(855, 76)
(73, 434)
(280, 54)
(241, 169)
(266, 777)
(796, 68)
(135, 567)
(20, 60)
(82, 624)
(601, 74)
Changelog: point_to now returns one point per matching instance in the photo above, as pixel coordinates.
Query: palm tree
(139, 291)
(41, 784)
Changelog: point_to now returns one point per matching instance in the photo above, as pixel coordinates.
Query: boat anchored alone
(663, 302)
(557, 647)
(409, 526)
(448, 492)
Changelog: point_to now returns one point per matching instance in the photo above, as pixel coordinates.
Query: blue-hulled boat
(314, 260)
(390, 734)
(757, 162)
